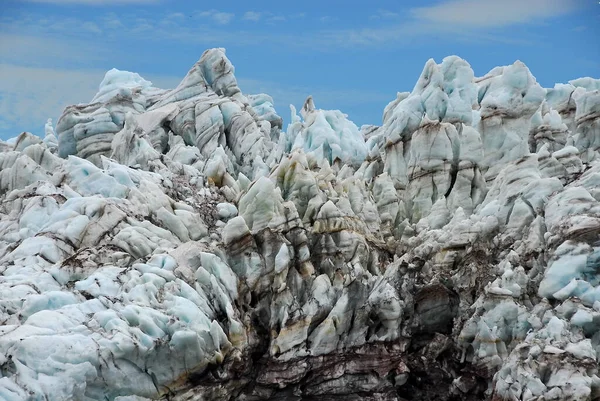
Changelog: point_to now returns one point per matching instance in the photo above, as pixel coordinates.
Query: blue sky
(350, 55)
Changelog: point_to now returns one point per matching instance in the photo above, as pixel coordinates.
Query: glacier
(182, 244)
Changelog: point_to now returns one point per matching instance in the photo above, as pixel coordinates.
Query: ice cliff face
(178, 244)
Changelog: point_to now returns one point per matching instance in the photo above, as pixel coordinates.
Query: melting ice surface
(179, 244)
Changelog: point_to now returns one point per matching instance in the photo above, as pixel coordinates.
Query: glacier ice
(180, 244)
(328, 134)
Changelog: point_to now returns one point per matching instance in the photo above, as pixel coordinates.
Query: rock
(435, 309)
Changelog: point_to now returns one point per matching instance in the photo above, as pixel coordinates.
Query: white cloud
(457, 20)
(269, 16)
(277, 18)
(384, 14)
(493, 13)
(72, 42)
(34, 94)
(222, 18)
(284, 94)
(94, 2)
(178, 16)
(112, 22)
(92, 27)
(252, 16)
(47, 50)
(219, 17)
(465, 20)
(142, 27)
(327, 18)
(265, 15)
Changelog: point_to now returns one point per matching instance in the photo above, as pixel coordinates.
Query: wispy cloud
(222, 18)
(39, 51)
(384, 14)
(268, 16)
(176, 16)
(219, 17)
(92, 27)
(111, 22)
(34, 94)
(453, 20)
(466, 20)
(252, 16)
(493, 13)
(277, 18)
(94, 2)
(405, 34)
(327, 18)
(285, 94)
(474, 21)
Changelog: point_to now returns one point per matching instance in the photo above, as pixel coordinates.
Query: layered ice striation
(206, 110)
(179, 244)
(327, 134)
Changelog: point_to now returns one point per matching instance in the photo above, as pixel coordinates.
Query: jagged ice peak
(183, 244)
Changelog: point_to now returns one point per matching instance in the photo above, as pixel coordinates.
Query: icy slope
(178, 244)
